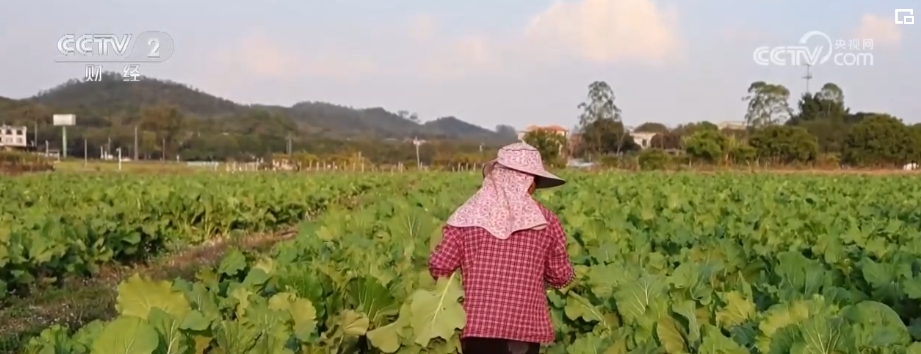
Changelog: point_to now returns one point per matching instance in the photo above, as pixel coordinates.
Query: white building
(735, 125)
(643, 139)
(13, 136)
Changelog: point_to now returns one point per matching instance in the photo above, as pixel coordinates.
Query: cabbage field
(666, 263)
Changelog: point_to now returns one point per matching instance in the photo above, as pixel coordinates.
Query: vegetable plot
(666, 263)
(55, 225)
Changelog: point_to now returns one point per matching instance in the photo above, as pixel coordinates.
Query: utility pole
(288, 147)
(417, 142)
(808, 76)
(135, 142)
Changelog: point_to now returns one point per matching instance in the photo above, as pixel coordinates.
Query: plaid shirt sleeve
(558, 270)
(448, 254)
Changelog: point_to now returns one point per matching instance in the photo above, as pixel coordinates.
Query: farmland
(666, 262)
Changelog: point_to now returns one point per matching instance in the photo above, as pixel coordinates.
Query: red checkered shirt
(505, 280)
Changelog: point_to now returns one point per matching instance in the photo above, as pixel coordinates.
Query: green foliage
(878, 140)
(550, 144)
(59, 225)
(170, 119)
(767, 104)
(743, 153)
(678, 267)
(706, 145)
(653, 159)
(651, 127)
(605, 137)
(784, 144)
(668, 140)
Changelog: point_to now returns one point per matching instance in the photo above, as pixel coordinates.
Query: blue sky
(510, 62)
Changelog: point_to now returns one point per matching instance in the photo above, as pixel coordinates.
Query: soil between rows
(80, 300)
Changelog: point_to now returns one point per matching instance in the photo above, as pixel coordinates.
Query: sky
(511, 62)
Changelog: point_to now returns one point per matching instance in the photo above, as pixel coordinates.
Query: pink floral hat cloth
(525, 158)
(503, 205)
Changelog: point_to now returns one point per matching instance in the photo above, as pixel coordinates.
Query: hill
(98, 104)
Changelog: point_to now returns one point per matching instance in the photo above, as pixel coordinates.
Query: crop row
(60, 224)
(673, 263)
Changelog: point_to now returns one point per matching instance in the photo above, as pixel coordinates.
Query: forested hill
(113, 102)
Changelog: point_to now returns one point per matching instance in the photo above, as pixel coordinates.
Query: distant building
(13, 136)
(551, 128)
(643, 139)
(735, 125)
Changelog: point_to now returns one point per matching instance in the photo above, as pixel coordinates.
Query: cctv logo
(904, 16)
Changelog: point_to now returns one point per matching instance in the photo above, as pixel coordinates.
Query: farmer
(509, 249)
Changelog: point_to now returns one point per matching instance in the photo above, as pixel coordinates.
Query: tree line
(820, 131)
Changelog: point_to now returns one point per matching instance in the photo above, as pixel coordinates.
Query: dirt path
(81, 300)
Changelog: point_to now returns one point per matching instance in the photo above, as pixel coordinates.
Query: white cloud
(461, 57)
(609, 31)
(257, 54)
(422, 27)
(595, 31)
(880, 29)
(260, 55)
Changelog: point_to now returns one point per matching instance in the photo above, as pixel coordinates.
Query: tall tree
(605, 136)
(596, 122)
(599, 105)
(824, 115)
(767, 104)
(826, 104)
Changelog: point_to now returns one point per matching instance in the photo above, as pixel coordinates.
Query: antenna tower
(808, 76)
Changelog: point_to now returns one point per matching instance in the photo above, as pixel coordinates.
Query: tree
(605, 137)
(668, 140)
(830, 92)
(600, 123)
(767, 104)
(879, 140)
(651, 127)
(548, 143)
(413, 117)
(653, 159)
(691, 128)
(784, 144)
(165, 122)
(599, 105)
(706, 145)
(506, 130)
(824, 115)
(148, 143)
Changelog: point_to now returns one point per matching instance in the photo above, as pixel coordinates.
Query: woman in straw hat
(509, 249)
